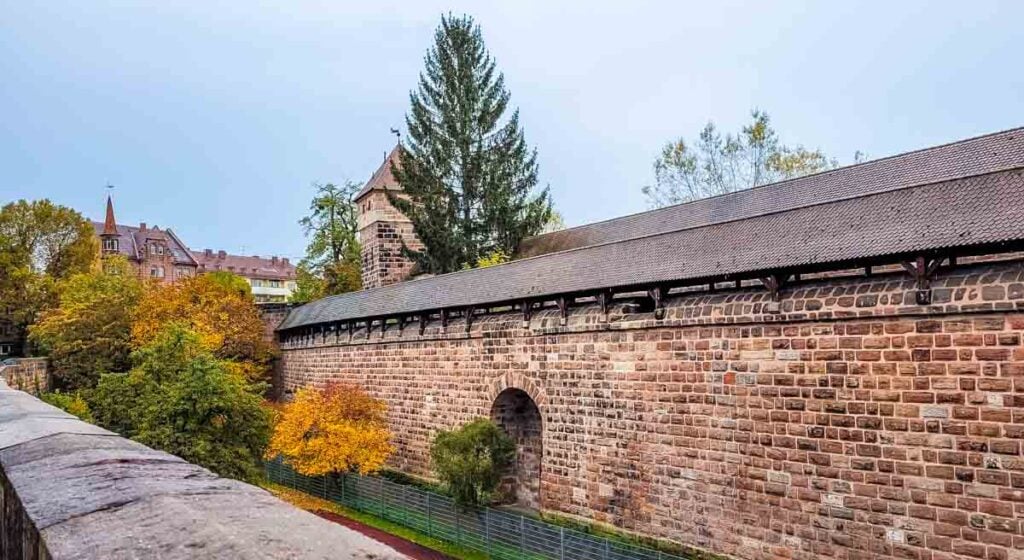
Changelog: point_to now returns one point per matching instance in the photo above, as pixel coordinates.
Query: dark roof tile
(984, 154)
(962, 213)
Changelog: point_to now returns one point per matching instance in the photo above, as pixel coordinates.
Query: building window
(5, 349)
(156, 271)
(275, 283)
(110, 244)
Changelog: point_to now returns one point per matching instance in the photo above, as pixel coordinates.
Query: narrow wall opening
(515, 411)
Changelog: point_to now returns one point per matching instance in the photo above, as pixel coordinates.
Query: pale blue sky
(214, 117)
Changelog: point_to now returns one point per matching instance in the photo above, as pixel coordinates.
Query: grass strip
(310, 503)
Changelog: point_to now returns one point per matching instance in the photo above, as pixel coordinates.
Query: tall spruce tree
(468, 174)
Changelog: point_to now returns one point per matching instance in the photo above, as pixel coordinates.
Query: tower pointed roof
(109, 224)
(382, 178)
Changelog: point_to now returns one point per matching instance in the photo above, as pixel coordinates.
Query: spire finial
(109, 224)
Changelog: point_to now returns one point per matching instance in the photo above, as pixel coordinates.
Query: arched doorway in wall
(515, 411)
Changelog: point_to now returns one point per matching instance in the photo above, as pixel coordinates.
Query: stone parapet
(31, 375)
(71, 490)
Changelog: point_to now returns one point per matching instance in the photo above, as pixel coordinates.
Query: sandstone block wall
(382, 229)
(71, 490)
(31, 375)
(843, 422)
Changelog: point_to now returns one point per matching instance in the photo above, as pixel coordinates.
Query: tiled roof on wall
(983, 211)
(984, 154)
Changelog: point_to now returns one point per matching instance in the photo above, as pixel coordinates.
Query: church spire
(109, 225)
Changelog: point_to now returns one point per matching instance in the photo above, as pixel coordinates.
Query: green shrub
(470, 460)
(72, 403)
(181, 399)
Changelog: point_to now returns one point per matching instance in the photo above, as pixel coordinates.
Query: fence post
(607, 553)
(381, 500)
(561, 543)
(344, 479)
(487, 532)
(522, 536)
(405, 504)
(430, 524)
(458, 526)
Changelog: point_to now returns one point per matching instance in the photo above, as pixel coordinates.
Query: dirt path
(410, 549)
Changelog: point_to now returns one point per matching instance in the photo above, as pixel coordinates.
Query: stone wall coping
(80, 491)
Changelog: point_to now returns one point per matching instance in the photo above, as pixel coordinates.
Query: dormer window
(110, 244)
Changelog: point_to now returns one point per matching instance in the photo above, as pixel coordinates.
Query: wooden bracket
(563, 309)
(351, 329)
(383, 326)
(424, 317)
(527, 306)
(921, 270)
(401, 323)
(444, 318)
(470, 311)
(604, 299)
(775, 283)
(657, 295)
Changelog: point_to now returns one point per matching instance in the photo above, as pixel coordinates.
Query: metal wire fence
(497, 534)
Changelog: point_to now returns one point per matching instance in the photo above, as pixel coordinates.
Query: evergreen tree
(467, 172)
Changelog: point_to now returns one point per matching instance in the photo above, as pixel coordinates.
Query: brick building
(155, 253)
(272, 279)
(826, 367)
(382, 229)
(161, 255)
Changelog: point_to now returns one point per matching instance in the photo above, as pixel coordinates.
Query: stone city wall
(844, 422)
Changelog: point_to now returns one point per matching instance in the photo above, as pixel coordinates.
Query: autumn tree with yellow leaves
(219, 308)
(337, 429)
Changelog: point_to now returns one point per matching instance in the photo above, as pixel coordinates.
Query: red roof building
(161, 255)
(155, 253)
(272, 279)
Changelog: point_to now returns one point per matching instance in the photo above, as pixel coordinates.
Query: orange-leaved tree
(337, 429)
(219, 308)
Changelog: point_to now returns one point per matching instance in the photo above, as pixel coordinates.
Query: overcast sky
(214, 118)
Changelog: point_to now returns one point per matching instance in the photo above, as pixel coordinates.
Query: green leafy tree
(718, 164)
(89, 331)
(41, 244)
(467, 175)
(183, 400)
(332, 262)
(308, 286)
(471, 460)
